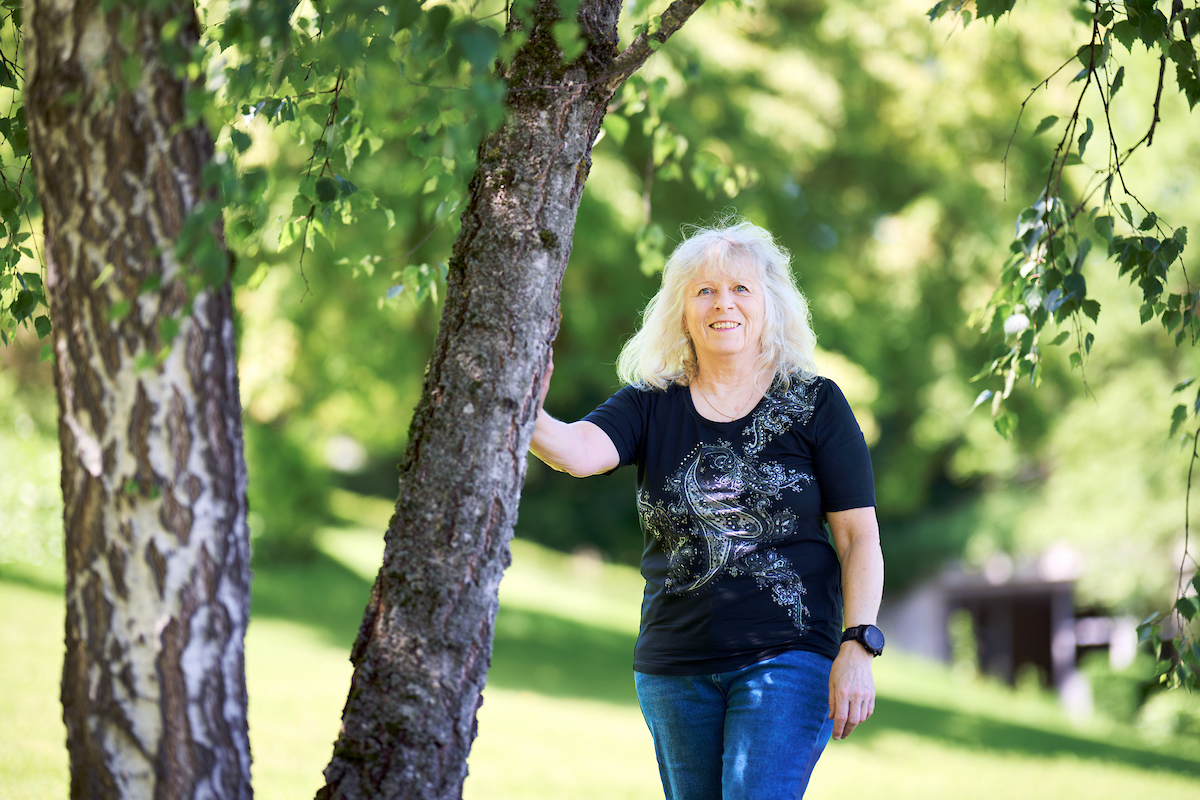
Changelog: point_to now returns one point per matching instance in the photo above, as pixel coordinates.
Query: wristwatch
(870, 637)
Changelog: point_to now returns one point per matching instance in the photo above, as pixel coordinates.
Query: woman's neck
(725, 378)
(723, 395)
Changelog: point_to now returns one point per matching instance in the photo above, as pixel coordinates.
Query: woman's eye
(740, 288)
(705, 290)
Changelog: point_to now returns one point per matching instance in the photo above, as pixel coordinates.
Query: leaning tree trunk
(425, 644)
(153, 475)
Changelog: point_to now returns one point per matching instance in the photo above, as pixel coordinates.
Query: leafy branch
(1043, 282)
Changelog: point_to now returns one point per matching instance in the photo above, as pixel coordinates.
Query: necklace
(737, 414)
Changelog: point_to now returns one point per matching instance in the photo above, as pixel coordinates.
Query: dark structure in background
(1022, 617)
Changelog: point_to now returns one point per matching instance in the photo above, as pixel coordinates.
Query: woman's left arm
(851, 684)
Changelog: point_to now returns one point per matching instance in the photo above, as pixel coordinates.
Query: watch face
(873, 637)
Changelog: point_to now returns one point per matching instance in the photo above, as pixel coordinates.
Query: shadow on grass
(321, 593)
(533, 651)
(559, 657)
(38, 578)
(971, 732)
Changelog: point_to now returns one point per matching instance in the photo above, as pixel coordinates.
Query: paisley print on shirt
(720, 517)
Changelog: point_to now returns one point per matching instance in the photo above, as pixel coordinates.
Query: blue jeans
(749, 734)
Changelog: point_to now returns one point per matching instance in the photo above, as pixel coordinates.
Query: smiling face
(723, 314)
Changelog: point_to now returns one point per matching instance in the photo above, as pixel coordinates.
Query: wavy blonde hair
(661, 352)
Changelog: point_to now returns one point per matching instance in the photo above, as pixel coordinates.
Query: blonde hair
(661, 353)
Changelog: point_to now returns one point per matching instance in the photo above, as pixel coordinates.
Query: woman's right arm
(577, 448)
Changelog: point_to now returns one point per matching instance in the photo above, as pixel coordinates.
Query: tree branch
(633, 56)
(1162, 68)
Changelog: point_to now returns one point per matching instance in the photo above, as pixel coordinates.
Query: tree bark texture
(153, 474)
(425, 644)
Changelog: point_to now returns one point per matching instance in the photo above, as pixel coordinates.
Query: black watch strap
(869, 636)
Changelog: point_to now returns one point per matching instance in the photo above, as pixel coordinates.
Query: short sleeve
(623, 417)
(841, 459)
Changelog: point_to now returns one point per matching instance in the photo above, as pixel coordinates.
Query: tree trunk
(153, 475)
(425, 643)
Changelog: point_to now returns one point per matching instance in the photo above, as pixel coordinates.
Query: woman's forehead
(741, 269)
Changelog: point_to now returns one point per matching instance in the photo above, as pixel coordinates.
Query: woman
(741, 667)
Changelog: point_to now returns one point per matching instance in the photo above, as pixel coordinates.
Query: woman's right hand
(546, 381)
(578, 448)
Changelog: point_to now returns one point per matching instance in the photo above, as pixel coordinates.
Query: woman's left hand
(851, 689)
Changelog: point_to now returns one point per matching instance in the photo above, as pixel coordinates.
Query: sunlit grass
(33, 756)
(559, 718)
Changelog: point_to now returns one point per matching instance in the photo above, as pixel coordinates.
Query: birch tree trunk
(425, 644)
(153, 476)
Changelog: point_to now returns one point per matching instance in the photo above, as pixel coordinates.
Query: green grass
(559, 718)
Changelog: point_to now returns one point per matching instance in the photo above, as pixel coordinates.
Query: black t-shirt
(737, 560)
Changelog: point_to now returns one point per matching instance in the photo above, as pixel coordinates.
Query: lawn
(559, 718)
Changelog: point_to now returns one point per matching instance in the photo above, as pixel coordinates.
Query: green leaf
(1075, 284)
(240, 141)
(1091, 308)
(1046, 124)
(1179, 387)
(290, 232)
(1188, 606)
(1104, 227)
(992, 9)
(1182, 53)
(478, 43)
(1188, 78)
(570, 38)
(103, 276)
(118, 310)
(24, 304)
(1183, 676)
(41, 324)
(1178, 416)
(1118, 80)
(318, 113)
(1148, 629)
(617, 127)
(1149, 222)
(168, 329)
(326, 190)
(1005, 424)
(1086, 136)
(1062, 337)
(9, 200)
(1089, 56)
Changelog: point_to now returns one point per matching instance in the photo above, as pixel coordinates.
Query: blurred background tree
(871, 141)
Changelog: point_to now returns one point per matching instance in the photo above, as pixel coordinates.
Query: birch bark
(153, 476)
